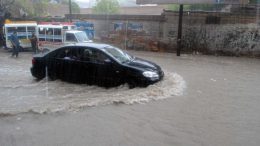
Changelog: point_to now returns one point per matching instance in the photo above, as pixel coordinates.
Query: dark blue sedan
(95, 64)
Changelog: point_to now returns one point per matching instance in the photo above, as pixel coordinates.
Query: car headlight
(150, 74)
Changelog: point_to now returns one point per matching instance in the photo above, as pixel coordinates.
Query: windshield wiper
(132, 58)
(126, 61)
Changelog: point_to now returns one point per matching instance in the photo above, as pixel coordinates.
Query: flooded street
(21, 93)
(203, 100)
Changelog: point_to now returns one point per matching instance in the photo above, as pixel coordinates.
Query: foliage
(4, 13)
(4, 8)
(106, 7)
(39, 7)
(74, 6)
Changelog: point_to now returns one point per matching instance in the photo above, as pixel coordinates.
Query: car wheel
(132, 83)
(40, 75)
(52, 76)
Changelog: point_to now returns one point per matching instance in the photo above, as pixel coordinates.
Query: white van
(54, 36)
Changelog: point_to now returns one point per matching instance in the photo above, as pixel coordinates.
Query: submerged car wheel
(40, 75)
(132, 83)
(52, 76)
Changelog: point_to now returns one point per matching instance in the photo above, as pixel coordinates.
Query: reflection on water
(20, 93)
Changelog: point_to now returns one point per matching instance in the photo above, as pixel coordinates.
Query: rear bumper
(37, 73)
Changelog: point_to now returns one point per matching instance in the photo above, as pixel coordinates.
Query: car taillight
(33, 61)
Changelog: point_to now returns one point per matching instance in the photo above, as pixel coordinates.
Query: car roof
(99, 46)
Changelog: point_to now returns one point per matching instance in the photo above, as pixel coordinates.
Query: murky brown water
(218, 107)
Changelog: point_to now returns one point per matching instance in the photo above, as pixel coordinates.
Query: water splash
(56, 96)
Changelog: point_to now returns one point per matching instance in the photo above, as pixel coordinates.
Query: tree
(106, 7)
(74, 6)
(29, 8)
(4, 6)
(39, 7)
(4, 13)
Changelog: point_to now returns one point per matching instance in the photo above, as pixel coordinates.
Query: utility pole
(257, 13)
(70, 10)
(179, 39)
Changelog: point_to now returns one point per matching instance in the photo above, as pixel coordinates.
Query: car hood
(142, 64)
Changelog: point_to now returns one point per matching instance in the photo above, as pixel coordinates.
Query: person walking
(15, 42)
(34, 41)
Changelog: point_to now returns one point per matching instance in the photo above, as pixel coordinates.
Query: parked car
(95, 64)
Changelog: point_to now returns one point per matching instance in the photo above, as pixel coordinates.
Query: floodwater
(203, 100)
(21, 93)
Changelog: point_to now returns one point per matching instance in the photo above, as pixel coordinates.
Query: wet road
(204, 100)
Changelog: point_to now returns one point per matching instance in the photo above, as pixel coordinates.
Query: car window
(71, 37)
(68, 53)
(86, 54)
(99, 56)
(93, 55)
(62, 53)
(118, 54)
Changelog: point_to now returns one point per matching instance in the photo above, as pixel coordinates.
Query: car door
(54, 64)
(106, 71)
(86, 65)
(72, 66)
(63, 64)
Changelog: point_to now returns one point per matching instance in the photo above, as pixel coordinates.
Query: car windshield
(82, 37)
(118, 54)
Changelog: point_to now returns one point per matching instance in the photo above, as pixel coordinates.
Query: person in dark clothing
(4, 42)
(15, 42)
(34, 42)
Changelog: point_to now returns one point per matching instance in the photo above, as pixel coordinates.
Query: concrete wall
(233, 34)
(104, 28)
(228, 39)
(107, 26)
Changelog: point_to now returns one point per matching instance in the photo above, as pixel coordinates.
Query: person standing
(15, 42)
(34, 40)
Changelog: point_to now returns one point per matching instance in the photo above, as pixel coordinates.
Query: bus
(24, 31)
(53, 31)
(52, 36)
